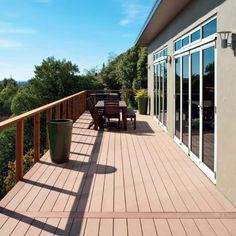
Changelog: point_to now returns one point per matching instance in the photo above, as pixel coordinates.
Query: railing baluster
(49, 117)
(64, 110)
(58, 111)
(74, 109)
(19, 149)
(36, 137)
(69, 109)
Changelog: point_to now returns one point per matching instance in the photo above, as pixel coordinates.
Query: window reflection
(195, 102)
(209, 29)
(177, 97)
(208, 106)
(185, 95)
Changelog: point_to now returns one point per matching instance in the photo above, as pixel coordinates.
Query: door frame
(198, 160)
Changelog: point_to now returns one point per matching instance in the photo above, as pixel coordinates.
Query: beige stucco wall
(194, 14)
(226, 105)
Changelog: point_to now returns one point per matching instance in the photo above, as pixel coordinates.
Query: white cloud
(9, 28)
(132, 10)
(44, 1)
(14, 30)
(5, 43)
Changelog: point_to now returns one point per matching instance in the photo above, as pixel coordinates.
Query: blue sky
(82, 31)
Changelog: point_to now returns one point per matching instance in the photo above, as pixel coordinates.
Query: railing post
(36, 137)
(49, 117)
(58, 111)
(19, 149)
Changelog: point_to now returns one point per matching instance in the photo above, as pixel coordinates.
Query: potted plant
(142, 98)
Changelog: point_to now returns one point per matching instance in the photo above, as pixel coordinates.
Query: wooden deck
(117, 183)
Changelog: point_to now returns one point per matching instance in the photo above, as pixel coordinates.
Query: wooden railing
(70, 107)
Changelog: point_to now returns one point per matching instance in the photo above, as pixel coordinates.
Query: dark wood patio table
(122, 106)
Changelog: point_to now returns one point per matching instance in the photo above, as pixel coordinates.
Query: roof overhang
(161, 14)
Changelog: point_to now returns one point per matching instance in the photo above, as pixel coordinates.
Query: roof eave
(158, 14)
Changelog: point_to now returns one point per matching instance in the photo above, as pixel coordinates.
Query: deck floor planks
(134, 227)
(106, 227)
(120, 227)
(159, 160)
(190, 227)
(148, 227)
(119, 189)
(142, 199)
(36, 227)
(130, 191)
(111, 186)
(157, 179)
(199, 201)
(108, 192)
(150, 189)
(96, 201)
(162, 227)
(207, 189)
(213, 204)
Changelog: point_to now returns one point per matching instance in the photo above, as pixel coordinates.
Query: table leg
(124, 116)
(95, 118)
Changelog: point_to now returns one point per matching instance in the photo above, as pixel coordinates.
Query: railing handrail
(31, 113)
(69, 107)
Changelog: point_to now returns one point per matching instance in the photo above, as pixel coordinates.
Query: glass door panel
(165, 94)
(195, 102)
(185, 99)
(155, 91)
(177, 97)
(158, 90)
(161, 93)
(208, 58)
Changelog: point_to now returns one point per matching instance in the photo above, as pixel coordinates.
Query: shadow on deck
(117, 183)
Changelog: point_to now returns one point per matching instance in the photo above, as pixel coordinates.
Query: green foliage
(7, 154)
(54, 79)
(8, 90)
(10, 180)
(141, 81)
(128, 70)
(7, 146)
(141, 93)
(24, 101)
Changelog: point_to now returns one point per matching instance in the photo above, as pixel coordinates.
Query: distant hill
(22, 83)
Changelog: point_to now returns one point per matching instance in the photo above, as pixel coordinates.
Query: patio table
(101, 104)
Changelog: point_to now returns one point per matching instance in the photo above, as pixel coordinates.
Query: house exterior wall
(226, 106)
(196, 13)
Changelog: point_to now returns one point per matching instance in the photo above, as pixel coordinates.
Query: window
(185, 41)
(209, 29)
(177, 45)
(202, 32)
(160, 54)
(195, 36)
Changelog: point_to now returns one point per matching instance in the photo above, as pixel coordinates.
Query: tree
(54, 79)
(141, 81)
(24, 101)
(9, 89)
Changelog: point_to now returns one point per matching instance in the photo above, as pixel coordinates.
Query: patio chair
(101, 120)
(112, 110)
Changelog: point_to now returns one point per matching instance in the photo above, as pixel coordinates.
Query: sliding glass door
(195, 104)
(160, 92)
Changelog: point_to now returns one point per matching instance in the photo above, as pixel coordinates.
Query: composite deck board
(134, 182)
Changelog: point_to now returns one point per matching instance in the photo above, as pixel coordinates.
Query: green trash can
(59, 136)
